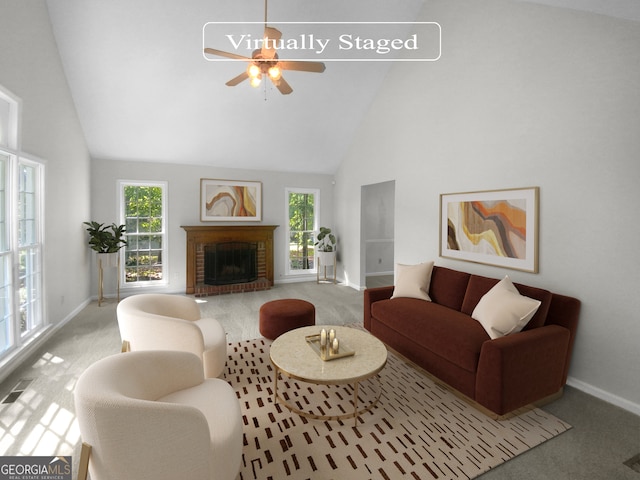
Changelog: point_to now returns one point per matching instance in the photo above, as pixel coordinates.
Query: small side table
(329, 260)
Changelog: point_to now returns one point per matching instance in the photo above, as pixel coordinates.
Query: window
(29, 246)
(6, 260)
(143, 212)
(21, 223)
(302, 212)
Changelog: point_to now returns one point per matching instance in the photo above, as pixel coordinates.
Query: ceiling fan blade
(282, 85)
(220, 53)
(271, 36)
(236, 80)
(314, 67)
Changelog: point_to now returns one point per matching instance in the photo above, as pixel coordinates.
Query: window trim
(39, 165)
(165, 233)
(15, 122)
(19, 341)
(316, 215)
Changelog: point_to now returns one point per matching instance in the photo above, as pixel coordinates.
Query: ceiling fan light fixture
(275, 73)
(255, 81)
(254, 70)
(264, 61)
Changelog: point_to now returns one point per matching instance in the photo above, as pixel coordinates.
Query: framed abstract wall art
(497, 227)
(230, 201)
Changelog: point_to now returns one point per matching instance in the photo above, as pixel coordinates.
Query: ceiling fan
(265, 62)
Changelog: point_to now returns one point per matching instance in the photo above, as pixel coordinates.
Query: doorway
(377, 234)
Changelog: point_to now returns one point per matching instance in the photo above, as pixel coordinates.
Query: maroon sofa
(440, 336)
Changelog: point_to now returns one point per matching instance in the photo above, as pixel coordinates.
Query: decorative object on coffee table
(328, 347)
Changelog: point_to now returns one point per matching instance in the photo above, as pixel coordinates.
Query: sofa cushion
(476, 289)
(448, 333)
(479, 285)
(545, 296)
(502, 310)
(413, 281)
(448, 287)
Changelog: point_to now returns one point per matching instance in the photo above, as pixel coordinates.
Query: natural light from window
(302, 213)
(143, 212)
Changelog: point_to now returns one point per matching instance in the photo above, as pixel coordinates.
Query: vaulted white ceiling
(144, 90)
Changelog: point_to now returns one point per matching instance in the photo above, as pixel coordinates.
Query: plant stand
(326, 259)
(106, 260)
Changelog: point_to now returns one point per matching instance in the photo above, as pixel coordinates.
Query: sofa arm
(372, 295)
(519, 369)
(564, 311)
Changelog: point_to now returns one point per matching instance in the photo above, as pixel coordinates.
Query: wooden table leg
(275, 384)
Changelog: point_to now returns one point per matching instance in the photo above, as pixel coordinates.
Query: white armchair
(172, 322)
(152, 415)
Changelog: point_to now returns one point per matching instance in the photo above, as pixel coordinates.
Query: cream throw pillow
(413, 281)
(502, 310)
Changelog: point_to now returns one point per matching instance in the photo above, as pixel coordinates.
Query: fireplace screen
(230, 262)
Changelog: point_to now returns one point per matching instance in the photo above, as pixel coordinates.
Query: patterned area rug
(418, 429)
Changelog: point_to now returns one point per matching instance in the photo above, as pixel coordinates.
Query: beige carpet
(418, 430)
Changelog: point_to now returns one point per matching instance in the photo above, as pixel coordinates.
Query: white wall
(31, 69)
(524, 95)
(184, 208)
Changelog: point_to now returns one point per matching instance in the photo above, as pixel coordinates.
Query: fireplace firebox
(230, 262)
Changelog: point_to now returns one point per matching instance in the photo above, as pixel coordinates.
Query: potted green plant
(106, 239)
(326, 252)
(326, 240)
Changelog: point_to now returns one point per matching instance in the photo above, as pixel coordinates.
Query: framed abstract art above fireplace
(230, 200)
(495, 227)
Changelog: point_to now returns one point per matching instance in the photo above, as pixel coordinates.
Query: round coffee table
(292, 355)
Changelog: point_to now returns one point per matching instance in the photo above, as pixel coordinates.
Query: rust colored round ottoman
(280, 316)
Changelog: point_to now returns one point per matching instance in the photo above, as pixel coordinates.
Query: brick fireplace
(203, 237)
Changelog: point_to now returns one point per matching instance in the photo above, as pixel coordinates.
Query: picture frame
(492, 227)
(230, 200)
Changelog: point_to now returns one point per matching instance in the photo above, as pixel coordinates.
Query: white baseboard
(604, 395)
(296, 279)
(355, 286)
(310, 278)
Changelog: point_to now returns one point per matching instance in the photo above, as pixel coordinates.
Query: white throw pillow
(413, 281)
(502, 310)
